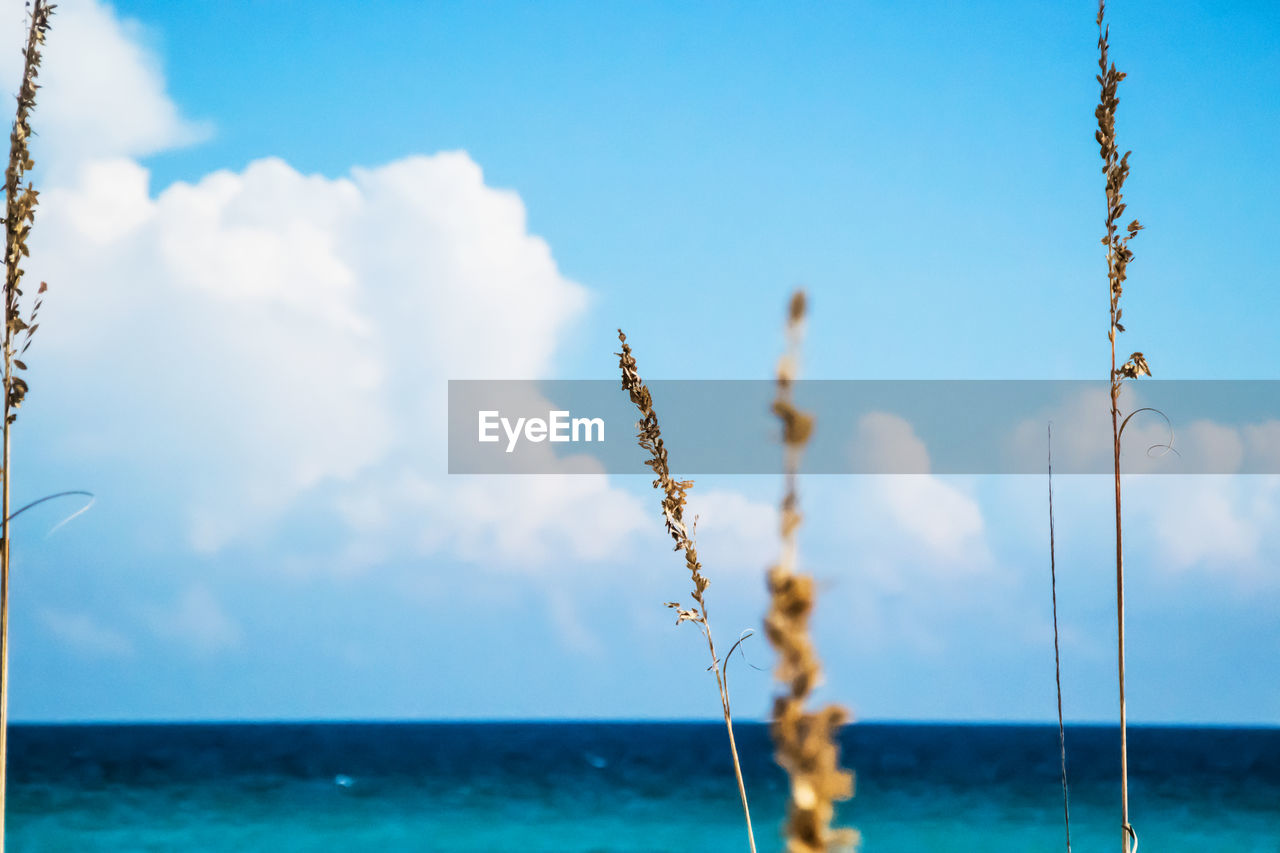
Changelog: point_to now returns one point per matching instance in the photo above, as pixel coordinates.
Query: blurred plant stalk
(20, 211)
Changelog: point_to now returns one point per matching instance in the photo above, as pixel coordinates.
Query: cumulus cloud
(888, 444)
(1082, 435)
(535, 520)
(1224, 525)
(284, 331)
(1152, 442)
(938, 522)
(1215, 521)
(103, 93)
(938, 516)
(277, 336)
(244, 359)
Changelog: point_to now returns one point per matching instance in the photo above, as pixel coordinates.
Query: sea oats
(649, 436)
(20, 213)
(807, 741)
(1116, 170)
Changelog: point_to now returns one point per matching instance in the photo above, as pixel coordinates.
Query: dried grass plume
(806, 741)
(1116, 169)
(649, 437)
(19, 216)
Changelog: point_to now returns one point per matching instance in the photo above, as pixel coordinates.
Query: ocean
(596, 787)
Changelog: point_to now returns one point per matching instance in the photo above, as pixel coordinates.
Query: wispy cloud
(197, 620)
(85, 634)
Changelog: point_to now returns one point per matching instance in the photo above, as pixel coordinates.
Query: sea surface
(596, 787)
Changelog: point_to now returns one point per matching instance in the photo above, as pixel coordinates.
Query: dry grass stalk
(649, 436)
(806, 742)
(1116, 169)
(20, 206)
(1057, 661)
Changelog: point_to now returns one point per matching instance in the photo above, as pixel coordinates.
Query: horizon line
(358, 721)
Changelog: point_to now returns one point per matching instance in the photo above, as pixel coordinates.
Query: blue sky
(272, 232)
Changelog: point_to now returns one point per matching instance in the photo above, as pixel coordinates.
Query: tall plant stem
(649, 437)
(1116, 169)
(19, 214)
(1124, 736)
(1057, 661)
(4, 589)
(723, 685)
(1116, 385)
(807, 741)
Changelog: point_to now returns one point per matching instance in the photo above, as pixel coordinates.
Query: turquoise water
(595, 787)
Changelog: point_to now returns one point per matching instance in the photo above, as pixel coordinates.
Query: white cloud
(274, 336)
(915, 518)
(85, 634)
(243, 359)
(283, 332)
(197, 620)
(887, 444)
(1081, 434)
(532, 520)
(103, 94)
(1214, 521)
(1221, 524)
(734, 533)
(1082, 441)
(1262, 446)
(1208, 447)
(936, 515)
(1204, 524)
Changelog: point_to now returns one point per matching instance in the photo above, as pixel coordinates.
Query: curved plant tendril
(1165, 448)
(38, 501)
(728, 657)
